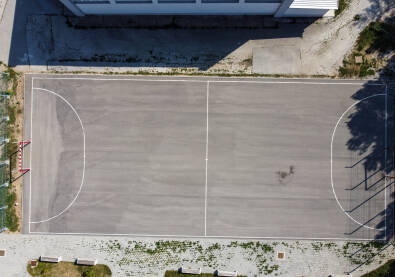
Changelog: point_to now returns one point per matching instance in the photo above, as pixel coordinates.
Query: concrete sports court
(207, 157)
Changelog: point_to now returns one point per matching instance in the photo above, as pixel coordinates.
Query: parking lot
(206, 157)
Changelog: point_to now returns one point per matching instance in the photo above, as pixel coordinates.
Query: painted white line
(333, 136)
(83, 171)
(219, 81)
(206, 237)
(385, 161)
(292, 82)
(205, 189)
(23, 135)
(204, 81)
(121, 79)
(30, 158)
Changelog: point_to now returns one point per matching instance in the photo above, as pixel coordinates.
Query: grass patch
(68, 269)
(175, 273)
(386, 270)
(11, 220)
(343, 4)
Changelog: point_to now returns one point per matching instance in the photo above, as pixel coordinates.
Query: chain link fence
(3, 149)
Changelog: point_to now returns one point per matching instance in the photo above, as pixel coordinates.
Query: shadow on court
(368, 141)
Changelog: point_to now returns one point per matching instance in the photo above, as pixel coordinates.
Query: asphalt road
(182, 156)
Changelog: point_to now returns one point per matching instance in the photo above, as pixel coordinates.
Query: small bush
(10, 92)
(366, 69)
(356, 17)
(88, 273)
(11, 74)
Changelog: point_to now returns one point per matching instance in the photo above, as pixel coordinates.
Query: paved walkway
(128, 256)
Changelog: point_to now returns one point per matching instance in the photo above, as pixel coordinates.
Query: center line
(205, 191)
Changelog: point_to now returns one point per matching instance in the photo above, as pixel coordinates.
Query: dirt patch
(17, 100)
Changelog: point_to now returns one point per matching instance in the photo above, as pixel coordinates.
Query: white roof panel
(314, 4)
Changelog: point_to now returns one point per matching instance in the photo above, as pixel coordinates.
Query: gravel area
(325, 44)
(127, 256)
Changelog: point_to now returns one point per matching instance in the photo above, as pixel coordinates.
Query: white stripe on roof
(314, 4)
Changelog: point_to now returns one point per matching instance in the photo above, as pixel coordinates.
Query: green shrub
(352, 69)
(366, 69)
(377, 36)
(11, 74)
(343, 4)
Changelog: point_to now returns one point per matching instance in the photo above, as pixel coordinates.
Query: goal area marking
(22, 144)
